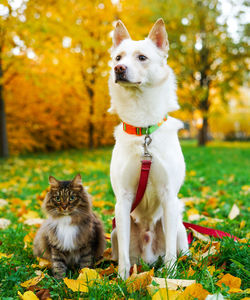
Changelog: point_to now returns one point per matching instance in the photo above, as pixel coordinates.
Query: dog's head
(139, 63)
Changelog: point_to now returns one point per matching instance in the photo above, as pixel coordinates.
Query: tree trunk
(3, 131)
(203, 133)
(91, 113)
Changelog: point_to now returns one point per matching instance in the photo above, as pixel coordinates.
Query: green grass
(218, 171)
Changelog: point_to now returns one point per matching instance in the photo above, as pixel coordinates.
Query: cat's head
(66, 198)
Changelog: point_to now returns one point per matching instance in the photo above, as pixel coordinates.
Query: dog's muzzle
(120, 73)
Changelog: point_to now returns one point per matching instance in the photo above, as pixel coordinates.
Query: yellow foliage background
(55, 65)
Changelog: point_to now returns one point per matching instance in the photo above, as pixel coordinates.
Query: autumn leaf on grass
(86, 278)
(108, 271)
(164, 294)
(170, 284)
(138, 281)
(5, 255)
(195, 290)
(232, 282)
(88, 275)
(76, 285)
(3, 203)
(31, 218)
(4, 223)
(32, 281)
(28, 239)
(99, 203)
(28, 296)
(234, 212)
(30, 215)
(42, 263)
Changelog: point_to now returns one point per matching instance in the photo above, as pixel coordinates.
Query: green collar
(143, 130)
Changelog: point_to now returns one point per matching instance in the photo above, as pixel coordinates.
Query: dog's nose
(120, 69)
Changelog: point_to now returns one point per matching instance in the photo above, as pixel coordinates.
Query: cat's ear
(120, 34)
(54, 183)
(158, 35)
(77, 181)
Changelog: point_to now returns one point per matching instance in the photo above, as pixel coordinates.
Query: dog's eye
(118, 57)
(142, 57)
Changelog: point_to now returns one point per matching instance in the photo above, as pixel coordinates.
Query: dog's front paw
(124, 271)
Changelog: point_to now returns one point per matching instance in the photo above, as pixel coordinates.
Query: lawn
(217, 178)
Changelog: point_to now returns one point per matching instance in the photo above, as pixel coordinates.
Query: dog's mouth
(125, 81)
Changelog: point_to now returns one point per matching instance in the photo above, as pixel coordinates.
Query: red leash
(208, 231)
(145, 168)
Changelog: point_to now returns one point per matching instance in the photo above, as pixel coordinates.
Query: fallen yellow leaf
(211, 269)
(220, 182)
(99, 203)
(34, 221)
(192, 173)
(28, 239)
(234, 212)
(28, 296)
(164, 294)
(5, 255)
(195, 290)
(242, 224)
(205, 190)
(192, 211)
(76, 285)
(30, 215)
(4, 223)
(170, 284)
(32, 281)
(87, 277)
(42, 263)
(138, 281)
(201, 236)
(232, 282)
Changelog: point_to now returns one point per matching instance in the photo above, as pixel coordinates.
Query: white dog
(143, 90)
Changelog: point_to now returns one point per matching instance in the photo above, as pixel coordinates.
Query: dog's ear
(120, 33)
(158, 35)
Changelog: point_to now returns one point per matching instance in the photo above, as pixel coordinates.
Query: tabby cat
(72, 236)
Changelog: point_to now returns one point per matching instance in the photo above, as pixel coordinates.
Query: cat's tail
(99, 242)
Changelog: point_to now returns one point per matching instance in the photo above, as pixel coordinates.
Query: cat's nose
(64, 206)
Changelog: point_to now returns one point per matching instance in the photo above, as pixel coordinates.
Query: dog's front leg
(122, 215)
(170, 214)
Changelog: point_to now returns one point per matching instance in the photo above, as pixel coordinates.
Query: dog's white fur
(155, 227)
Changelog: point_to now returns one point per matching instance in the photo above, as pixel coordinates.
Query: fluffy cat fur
(72, 236)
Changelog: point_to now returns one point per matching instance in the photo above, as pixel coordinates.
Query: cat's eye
(142, 57)
(118, 57)
(72, 198)
(58, 199)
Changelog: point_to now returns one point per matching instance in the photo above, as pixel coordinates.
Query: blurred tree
(83, 38)
(206, 58)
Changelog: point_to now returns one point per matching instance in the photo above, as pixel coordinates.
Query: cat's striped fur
(72, 236)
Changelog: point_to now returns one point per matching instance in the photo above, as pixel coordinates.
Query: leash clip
(147, 140)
